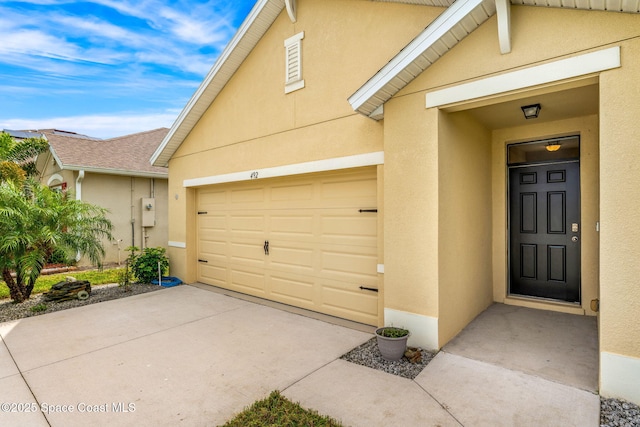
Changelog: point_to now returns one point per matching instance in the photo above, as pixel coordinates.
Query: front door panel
(544, 204)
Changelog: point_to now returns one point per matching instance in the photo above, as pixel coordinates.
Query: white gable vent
(293, 58)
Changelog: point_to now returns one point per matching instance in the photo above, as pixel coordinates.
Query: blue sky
(107, 68)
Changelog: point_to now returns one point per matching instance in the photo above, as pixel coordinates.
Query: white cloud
(99, 126)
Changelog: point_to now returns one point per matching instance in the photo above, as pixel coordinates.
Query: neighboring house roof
(23, 134)
(459, 19)
(126, 155)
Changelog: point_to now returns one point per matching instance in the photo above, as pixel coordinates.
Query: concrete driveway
(189, 356)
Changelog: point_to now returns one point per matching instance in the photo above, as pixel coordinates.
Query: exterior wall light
(531, 111)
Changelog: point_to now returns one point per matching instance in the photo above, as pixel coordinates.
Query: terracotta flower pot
(392, 348)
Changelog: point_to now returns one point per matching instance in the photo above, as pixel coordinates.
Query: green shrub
(59, 256)
(145, 265)
(392, 332)
(39, 308)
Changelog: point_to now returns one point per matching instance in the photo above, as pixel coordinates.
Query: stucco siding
(619, 206)
(253, 124)
(464, 222)
(121, 196)
(340, 50)
(411, 207)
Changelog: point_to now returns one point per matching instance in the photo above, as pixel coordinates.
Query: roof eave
(263, 14)
(447, 30)
(116, 171)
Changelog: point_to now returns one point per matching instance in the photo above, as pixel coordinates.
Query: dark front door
(544, 203)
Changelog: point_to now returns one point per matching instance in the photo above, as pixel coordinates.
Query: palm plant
(34, 221)
(18, 159)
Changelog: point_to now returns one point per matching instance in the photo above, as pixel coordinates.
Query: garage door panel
(247, 253)
(353, 230)
(350, 303)
(292, 289)
(215, 223)
(253, 195)
(290, 257)
(215, 275)
(244, 279)
(292, 226)
(285, 195)
(322, 250)
(247, 225)
(350, 193)
(214, 248)
(212, 199)
(348, 266)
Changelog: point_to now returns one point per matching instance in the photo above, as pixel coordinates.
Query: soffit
(630, 6)
(446, 31)
(442, 35)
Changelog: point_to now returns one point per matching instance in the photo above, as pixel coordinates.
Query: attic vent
(293, 53)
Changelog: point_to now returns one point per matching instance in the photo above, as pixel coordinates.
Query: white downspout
(79, 197)
(79, 185)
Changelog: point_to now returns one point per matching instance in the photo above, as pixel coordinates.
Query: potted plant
(392, 342)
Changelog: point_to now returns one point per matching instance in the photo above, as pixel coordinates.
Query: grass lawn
(44, 283)
(276, 410)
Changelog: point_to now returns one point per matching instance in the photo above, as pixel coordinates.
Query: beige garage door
(298, 240)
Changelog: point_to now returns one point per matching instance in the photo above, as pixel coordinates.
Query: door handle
(266, 247)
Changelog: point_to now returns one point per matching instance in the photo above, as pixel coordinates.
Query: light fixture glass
(531, 111)
(552, 146)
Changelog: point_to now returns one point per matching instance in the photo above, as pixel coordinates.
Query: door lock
(266, 247)
(574, 239)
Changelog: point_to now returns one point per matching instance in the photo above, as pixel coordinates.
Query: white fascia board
(337, 163)
(436, 30)
(215, 69)
(562, 69)
(55, 156)
(120, 172)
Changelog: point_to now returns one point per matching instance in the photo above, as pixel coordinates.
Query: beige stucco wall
(437, 163)
(610, 182)
(475, 57)
(411, 207)
(122, 196)
(619, 204)
(464, 222)
(253, 124)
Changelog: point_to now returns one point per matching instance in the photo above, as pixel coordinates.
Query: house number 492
(254, 175)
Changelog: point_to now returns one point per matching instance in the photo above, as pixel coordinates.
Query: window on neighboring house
(293, 57)
(62, 187)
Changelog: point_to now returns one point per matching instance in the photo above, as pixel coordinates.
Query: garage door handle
(266, 247)
(202, 260)
(364, 288)
(367, 210)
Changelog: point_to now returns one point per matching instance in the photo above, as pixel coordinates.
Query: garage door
(308, 241)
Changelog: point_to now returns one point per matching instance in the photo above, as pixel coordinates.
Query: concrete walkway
(188, 356)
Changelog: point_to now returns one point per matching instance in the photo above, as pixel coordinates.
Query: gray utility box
(148, 212)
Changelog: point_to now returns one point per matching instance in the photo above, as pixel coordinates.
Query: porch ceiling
(559, 105)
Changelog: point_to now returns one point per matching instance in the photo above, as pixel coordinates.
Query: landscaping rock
(69, 289)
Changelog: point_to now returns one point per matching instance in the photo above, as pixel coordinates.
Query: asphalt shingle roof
(125, 154)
